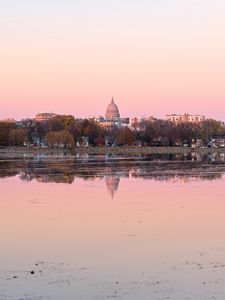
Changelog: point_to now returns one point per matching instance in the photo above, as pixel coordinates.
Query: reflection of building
(185, 118)
(43, 169)
(112, 183)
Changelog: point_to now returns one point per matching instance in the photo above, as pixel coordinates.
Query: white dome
(112, 111)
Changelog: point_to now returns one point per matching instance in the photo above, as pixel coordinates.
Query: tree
(30, 126)
(76, 130)
(5, 128)
(61, 138)
(91, 129)
(125, 136)
(61, 122)
(17, 137)
(211, 129)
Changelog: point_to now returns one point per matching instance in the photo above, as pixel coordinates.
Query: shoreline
(25, 151)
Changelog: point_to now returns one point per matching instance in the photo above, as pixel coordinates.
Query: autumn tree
(5, 128)
(17, 137)
(60, 138)
(211, 129)
(61, 122)
(91, 129)
(125, 136)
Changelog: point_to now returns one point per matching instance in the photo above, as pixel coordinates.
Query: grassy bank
(17, 151)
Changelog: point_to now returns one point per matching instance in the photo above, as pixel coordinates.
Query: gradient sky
(154, 56)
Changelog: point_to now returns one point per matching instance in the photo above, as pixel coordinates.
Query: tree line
(65, 130)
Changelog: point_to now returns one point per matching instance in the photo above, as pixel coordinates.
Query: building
(139, 123)
(112, 117)
(98, 119)
(82, 141)
(112, 112)
(43, 117)
(8, 120)
(185, 118)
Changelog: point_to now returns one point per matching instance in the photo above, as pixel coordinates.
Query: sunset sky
(71, 56)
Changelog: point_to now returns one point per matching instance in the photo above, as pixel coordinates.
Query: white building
(42, 117)
(112, 117)
(185, 118)
(138, 122)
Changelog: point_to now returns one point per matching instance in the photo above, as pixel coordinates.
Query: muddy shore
(105, 150)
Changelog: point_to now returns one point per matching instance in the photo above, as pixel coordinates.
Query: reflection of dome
(112, 110)
(112, 184)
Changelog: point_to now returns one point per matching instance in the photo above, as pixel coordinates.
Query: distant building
(185, 118)
(42, 117)
(197, 143)
(82, 141)
(98, 119)
(138, 123)
(124, 122)
(9, 120)
(112, 112)
(112, 117)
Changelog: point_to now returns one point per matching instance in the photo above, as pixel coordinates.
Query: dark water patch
(67, 169)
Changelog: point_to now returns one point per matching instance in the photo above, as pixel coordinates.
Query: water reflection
(158, 240)
(112, 183)
(176, 168)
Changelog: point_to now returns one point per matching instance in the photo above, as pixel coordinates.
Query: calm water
(111, 227)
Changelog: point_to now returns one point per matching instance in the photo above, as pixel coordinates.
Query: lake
(112, 227)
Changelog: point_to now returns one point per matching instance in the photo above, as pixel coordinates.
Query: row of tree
(65, 130)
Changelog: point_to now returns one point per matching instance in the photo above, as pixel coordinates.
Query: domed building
(112, 117)
(112, 111)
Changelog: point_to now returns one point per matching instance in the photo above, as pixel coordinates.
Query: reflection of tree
(179, 176)
(7, 169)
(65, 170)
(179, 172)
(47, 172)
(26, 176)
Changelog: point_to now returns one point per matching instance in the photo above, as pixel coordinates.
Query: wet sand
(21, 151)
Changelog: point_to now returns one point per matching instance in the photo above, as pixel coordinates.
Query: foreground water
(111, 227)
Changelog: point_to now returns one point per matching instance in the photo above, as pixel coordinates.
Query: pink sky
(72, 58)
